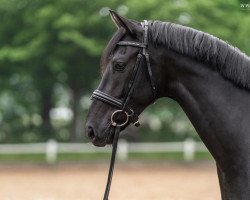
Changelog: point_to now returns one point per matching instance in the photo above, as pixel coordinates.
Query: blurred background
(49, 66)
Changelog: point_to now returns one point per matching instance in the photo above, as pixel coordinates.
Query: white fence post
(188, 149)
(122, 151)
(51, 151)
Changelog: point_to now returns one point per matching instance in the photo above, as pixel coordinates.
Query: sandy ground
(130, 182)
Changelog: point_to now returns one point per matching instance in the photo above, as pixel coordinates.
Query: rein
(122, 105)
(112, 163)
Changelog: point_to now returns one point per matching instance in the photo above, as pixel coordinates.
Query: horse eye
(119, 67)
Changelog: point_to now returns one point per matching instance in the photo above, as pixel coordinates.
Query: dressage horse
(208, 78)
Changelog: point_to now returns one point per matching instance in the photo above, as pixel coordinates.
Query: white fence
(51, 149)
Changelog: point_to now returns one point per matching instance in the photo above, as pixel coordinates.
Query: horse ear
(120, 21)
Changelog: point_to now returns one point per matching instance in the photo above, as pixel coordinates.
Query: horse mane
(230, 62)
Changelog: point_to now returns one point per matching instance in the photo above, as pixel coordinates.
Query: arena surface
(87, 182)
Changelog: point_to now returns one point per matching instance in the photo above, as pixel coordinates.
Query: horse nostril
(91, 133)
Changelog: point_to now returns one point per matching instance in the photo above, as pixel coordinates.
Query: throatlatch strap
(112, 163)
(150, 75)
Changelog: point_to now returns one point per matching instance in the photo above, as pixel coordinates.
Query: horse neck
(220, 112)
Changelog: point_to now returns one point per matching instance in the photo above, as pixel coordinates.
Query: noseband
(122, 105)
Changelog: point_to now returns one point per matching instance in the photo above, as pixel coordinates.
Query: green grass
(84, 157)
(36, 158)
(166, 156)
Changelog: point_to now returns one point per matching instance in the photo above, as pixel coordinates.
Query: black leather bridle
(122, 105)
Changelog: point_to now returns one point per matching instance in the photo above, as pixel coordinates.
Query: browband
(134, 44)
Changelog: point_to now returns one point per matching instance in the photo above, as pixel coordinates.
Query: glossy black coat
(218, 108)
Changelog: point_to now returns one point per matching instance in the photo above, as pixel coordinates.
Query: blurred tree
(82, 33)
(54, 42)
(46, 45)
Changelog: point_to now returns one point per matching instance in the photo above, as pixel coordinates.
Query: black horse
(207, 77)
